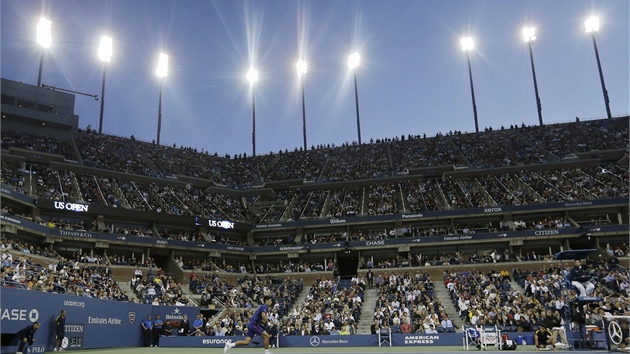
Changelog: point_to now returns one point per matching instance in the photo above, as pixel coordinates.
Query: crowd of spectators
(331, 307)
(488, 298)
(407, 303)
(377, 159)
(83, 276)
(158, 288)
(528, 187)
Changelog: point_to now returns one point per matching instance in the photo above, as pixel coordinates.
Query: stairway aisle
(445, 298)
(299, 302)
(125, 286)
(367, 311)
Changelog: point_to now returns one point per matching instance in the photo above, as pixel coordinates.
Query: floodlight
(252, 76)
(105, 49)
(529, 34)
(592, 24)
(44, 35)
(353, 61)
(301, 68)
(592, 27)
(467, 43)
(162, 67)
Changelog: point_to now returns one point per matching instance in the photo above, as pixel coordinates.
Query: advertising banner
(329, 341)
(90, 323)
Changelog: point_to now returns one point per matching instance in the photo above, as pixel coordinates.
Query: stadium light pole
(353, 63)
(161, 72)
(252, 77)
(467, 45)
(105, 55)
(301, 70)
(592, 27)
(44, 39)
(529, 37)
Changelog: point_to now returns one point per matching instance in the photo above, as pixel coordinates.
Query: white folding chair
(490, 336)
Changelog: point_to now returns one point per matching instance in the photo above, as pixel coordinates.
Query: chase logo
(314, 341)
(33, 315)
(20, 315)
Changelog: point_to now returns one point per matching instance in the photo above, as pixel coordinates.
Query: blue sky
(413, 76)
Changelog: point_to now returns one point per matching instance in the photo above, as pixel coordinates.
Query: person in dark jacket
(184, 326)
(26, 336)
(60, 330)
(580, 279)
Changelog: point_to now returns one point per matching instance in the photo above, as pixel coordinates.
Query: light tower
(353, 63)
(529, 37)
(105, 55)
(252, 77)
(161, 71)
(592, 27)
(44, 39)
(301, 70)
(467, 45)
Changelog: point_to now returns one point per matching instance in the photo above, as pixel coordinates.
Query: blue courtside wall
(109, 324)
(100, 323)
(368, 340)
(284, 341)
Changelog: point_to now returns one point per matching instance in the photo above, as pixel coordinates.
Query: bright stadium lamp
(105, 55)
(592, 24)
(162, 67)
(467, 45)
(301, 70)
(529, 34)
(529, 37)
(353, 63)
(161, 71)
(592, 27)
(44, 39)
(105, 50)
(252, 77)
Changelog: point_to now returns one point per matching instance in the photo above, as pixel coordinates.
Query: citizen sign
(547, 232)
(72, 207)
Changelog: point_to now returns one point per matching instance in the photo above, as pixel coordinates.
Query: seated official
(167, 330)
(581, 280)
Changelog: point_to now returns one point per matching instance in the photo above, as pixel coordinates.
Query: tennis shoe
(227, 347)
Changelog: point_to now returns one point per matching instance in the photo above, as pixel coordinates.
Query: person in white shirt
(7, 258)
(329, 325)
(447, 323)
